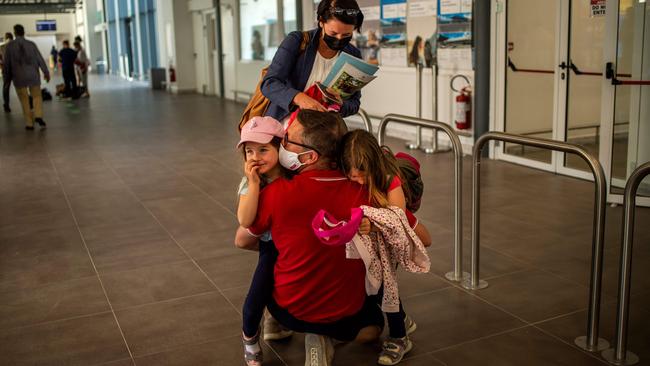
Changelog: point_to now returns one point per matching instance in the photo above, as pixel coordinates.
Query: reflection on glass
(584, 82)
(263, 24)
(529, 92)
(631, 137)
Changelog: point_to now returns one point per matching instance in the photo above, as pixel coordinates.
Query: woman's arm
(274, 86)
(351, 105)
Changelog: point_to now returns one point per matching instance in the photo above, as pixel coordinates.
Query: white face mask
(289, 159)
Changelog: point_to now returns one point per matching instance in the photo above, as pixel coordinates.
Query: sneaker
(409, 325)
(6, 107)
(274, 331)
(40, 122)
(319, 350)
(29, 128)
(393, 350)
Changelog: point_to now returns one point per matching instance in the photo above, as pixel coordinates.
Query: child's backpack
(410, 171)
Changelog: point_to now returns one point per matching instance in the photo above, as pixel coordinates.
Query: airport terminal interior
(118, 220)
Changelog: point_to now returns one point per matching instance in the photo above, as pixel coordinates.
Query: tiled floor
(116, 228)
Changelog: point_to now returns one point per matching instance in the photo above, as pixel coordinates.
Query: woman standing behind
(293, 70)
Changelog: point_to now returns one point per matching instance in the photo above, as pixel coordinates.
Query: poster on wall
(393, 27)
(367, 41)
(421, 31)
(454, 34)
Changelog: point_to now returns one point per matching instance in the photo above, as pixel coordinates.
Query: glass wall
(263, 25)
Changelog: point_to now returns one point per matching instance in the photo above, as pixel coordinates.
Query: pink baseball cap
(261, 130)
(330, 231)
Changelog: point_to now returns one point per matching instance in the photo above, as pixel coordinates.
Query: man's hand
(304, 101)
(251, 170)
(364, 228)
(47, 78)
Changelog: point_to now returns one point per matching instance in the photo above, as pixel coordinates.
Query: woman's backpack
(258, 104)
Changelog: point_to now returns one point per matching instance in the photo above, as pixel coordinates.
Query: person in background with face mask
(316, 290)
(293, 70)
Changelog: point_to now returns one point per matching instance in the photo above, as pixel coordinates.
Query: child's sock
(251, 348)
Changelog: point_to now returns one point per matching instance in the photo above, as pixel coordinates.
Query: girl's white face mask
(289, 159)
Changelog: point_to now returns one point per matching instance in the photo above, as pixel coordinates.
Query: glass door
(531, 77)
(579, 117)
(626, 96)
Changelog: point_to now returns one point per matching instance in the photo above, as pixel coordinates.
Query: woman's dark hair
(414, 55)
(326, 11)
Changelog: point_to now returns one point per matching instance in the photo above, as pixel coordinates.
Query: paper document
(349, 74)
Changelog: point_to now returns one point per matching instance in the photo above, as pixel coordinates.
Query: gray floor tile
(161, 326)
(59, 300)
(155, 283)
(526, 295)
(81, 341)
(228, 351)
(210, 244)
(512, 348)
(232, 270)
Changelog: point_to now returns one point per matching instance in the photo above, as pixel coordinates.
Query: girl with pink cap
(260, 143)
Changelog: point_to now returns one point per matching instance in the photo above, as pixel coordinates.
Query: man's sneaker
(29, 128)
(274, 331)
(410, 325)
(393, 350)
(40, 122)
(7, 109)
(319, 350)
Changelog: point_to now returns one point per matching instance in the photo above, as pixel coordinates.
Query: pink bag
(330, 231)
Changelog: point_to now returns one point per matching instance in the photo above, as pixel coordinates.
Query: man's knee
(368, 334)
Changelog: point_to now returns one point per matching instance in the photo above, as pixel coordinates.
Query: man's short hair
(322, 131)
(19, 30)
(66, 42)
(8, 35)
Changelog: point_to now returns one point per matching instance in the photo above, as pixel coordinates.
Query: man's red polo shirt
(313, 281)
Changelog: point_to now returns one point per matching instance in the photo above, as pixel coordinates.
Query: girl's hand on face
(304, 101)
(251, 170)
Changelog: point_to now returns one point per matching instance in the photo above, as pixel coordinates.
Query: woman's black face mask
(335, 43)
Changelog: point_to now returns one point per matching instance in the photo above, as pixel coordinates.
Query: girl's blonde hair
(360, 150)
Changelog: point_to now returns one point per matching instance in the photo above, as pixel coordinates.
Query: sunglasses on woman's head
(348, 12)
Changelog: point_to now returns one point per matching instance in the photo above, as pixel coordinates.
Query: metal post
(619, 355)
(365, 119)
(435, 147)
(418, 102)
(457, 274)
(590, 342)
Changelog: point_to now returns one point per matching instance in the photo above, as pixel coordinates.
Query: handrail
(457, 148)
(591, 342)
(619, 355)
(366, 119)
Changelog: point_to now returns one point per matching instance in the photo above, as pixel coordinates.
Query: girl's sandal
(252, 358)
(393, 350)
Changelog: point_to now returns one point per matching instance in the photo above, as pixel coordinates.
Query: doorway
(228, 55)
(551, 81)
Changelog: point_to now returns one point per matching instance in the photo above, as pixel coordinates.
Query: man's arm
(245, 240)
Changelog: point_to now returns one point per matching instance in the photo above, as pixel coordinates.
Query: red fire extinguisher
(464, 109)
(172, 74)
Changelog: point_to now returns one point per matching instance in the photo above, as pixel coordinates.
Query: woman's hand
(251, 168)
(304, 101)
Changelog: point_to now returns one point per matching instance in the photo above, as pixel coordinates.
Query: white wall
(184, 47)
(65, 24)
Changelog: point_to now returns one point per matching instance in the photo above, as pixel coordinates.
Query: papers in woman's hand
(349, 74)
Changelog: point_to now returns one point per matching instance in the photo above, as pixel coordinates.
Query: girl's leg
(396, 326)
(261, 289)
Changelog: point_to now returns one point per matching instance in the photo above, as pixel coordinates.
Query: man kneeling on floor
(316, 290)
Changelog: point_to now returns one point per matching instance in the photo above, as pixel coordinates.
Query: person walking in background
(68, 56)
(55, 57)
(6, 81)
(21, 64)
(82, 64)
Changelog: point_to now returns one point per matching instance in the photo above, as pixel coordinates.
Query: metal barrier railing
(367, 123)
(456, 274)
(590, 342)
(619, 355)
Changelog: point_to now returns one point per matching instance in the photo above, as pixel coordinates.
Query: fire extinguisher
(463, 118)
(172, 74)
